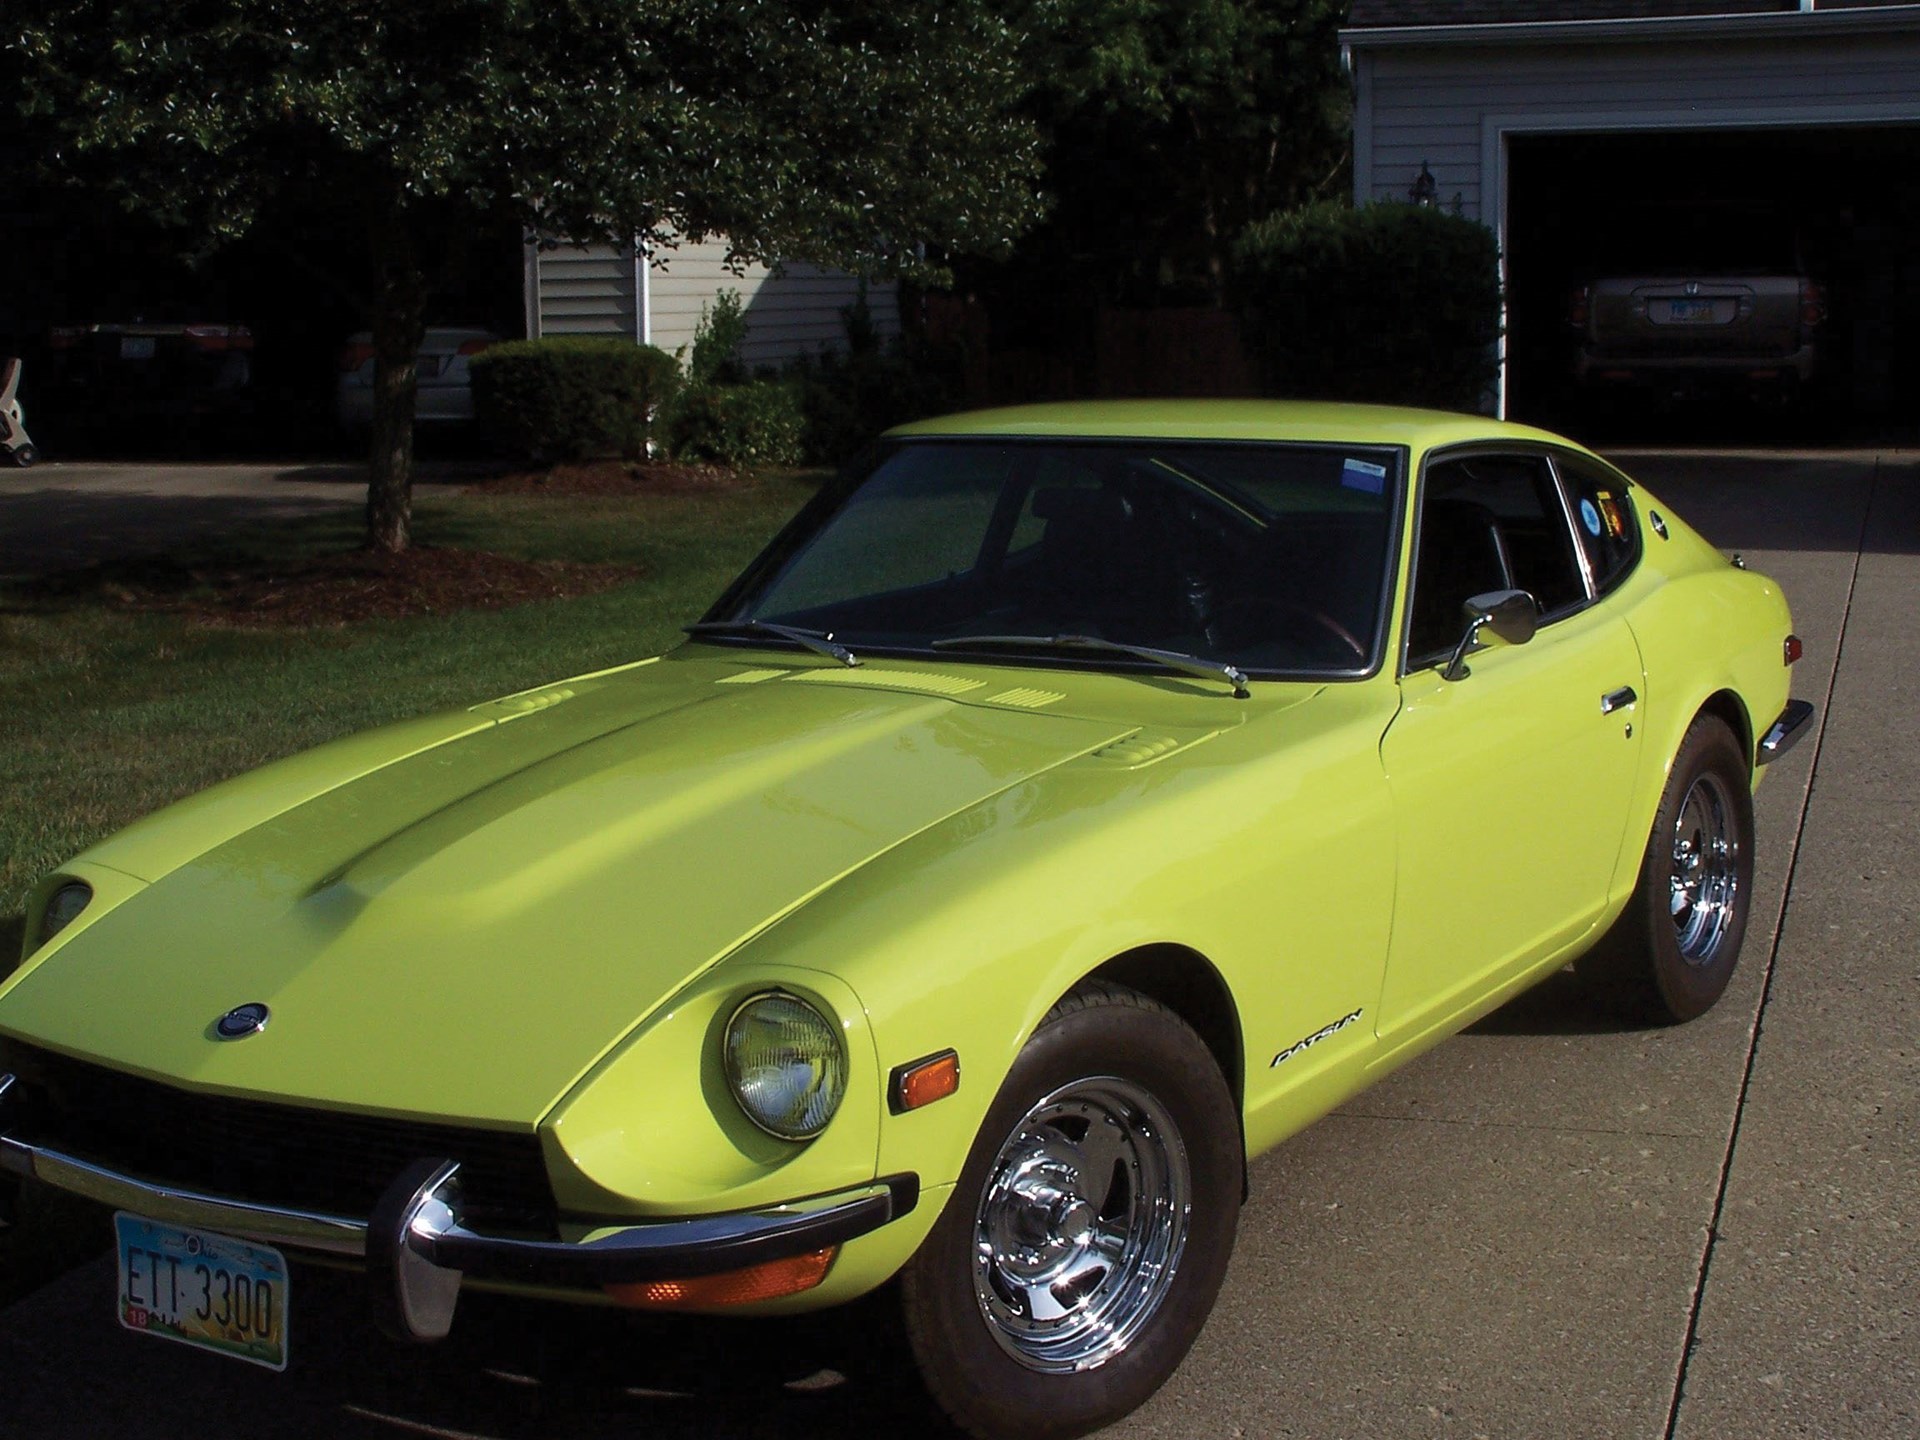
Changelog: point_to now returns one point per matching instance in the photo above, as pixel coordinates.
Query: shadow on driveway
(511, 1369)
(1758, 500)
(66, 516)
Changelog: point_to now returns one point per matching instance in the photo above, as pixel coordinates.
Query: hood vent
(514, 706)
(1145, 747)
(869, 676)
(1026, 698)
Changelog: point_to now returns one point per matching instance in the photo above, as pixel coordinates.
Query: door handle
(1617, 699)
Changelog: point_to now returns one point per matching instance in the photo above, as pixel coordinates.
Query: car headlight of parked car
(786, 1064)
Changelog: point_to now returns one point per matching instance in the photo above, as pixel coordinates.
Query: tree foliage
(858, 133)
(1390, 302)
(1172, 125)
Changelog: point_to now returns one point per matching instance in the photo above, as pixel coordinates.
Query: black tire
(1672, 952)
(25, 455)
(1105, 1057)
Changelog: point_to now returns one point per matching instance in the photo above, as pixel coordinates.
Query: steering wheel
(1274, 606)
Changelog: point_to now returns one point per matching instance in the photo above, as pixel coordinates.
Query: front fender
(654, 1129)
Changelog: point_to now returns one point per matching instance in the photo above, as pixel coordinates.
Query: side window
(1488, 522)
(1604, 522)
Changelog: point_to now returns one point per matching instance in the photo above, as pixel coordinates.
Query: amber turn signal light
(1793, 649)
(768, 1281)
(921, 1082)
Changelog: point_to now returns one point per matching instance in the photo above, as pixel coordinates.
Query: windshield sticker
(1360, 475)
(1590, 518)
(1315, 1038)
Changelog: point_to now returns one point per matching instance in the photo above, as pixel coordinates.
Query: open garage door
(1679, 286)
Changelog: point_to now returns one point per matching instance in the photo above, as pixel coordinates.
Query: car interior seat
(1462, 554)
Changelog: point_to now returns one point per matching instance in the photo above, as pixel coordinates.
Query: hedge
(572, 396)
(759, 422)
(1390, 302)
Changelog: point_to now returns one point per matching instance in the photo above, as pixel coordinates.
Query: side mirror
(1510, 616)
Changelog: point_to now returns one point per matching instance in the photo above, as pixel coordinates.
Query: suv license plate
(1690, 312)
(136, 347)
(212, 1291)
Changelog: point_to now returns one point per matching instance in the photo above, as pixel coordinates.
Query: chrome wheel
(1081, 1225)
(1705, 878)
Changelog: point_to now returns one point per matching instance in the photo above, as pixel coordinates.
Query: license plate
(212, 1291)
(1690, 312)
(136, 347)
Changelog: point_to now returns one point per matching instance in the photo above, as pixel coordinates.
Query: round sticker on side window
(1590, 518)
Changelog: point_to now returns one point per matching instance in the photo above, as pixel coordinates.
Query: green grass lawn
(109, 713)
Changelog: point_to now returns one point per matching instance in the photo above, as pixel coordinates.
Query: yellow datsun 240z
(1067, 806)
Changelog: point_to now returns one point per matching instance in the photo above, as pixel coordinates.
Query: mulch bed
(356, 585)
(338, 589)
(614, 477)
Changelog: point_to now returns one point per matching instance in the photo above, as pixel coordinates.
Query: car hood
(463, 930)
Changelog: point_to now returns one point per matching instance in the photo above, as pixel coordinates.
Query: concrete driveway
(1549, 1226)
(54, 517)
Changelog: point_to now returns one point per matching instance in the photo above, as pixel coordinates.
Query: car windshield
(1271, 558)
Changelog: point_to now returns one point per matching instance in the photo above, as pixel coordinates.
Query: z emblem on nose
(242, 1021)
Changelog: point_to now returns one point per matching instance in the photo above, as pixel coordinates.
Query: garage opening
(1716, 286)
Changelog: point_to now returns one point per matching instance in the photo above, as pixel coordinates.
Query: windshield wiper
(1172, 659)
(817, 641)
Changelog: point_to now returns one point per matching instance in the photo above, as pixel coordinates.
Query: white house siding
(791, 310)
(1452, 106)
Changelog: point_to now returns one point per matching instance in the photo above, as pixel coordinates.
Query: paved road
(1547, 1227)
(54, 517)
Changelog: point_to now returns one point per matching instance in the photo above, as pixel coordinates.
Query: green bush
(759, 422)
(572, 396)
(1389, 302)
(851, 395)
(715, 357)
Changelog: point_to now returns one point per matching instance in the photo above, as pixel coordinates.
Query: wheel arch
(1726, 705)
(1189, 984)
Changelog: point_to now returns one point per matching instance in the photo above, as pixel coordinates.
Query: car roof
(1295, 420)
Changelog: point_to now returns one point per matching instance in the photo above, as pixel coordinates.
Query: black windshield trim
(1091, 662)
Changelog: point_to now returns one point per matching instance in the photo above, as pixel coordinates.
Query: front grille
(262, 1151)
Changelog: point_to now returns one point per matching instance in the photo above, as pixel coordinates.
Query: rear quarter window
(1603, 519)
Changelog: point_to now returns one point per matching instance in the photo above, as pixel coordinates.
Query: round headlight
(63, 909)
(787, 1065)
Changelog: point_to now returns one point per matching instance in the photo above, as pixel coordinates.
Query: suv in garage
(1700, 300)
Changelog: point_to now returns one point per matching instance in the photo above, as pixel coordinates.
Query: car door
(1511, 784)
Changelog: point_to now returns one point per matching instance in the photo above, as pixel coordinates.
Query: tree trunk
(1210, 226)
(399, 326)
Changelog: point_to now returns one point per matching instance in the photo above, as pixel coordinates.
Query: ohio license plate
(1690, 312)
(213, 1291)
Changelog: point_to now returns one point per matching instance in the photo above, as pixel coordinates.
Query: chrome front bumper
(416, 1250)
